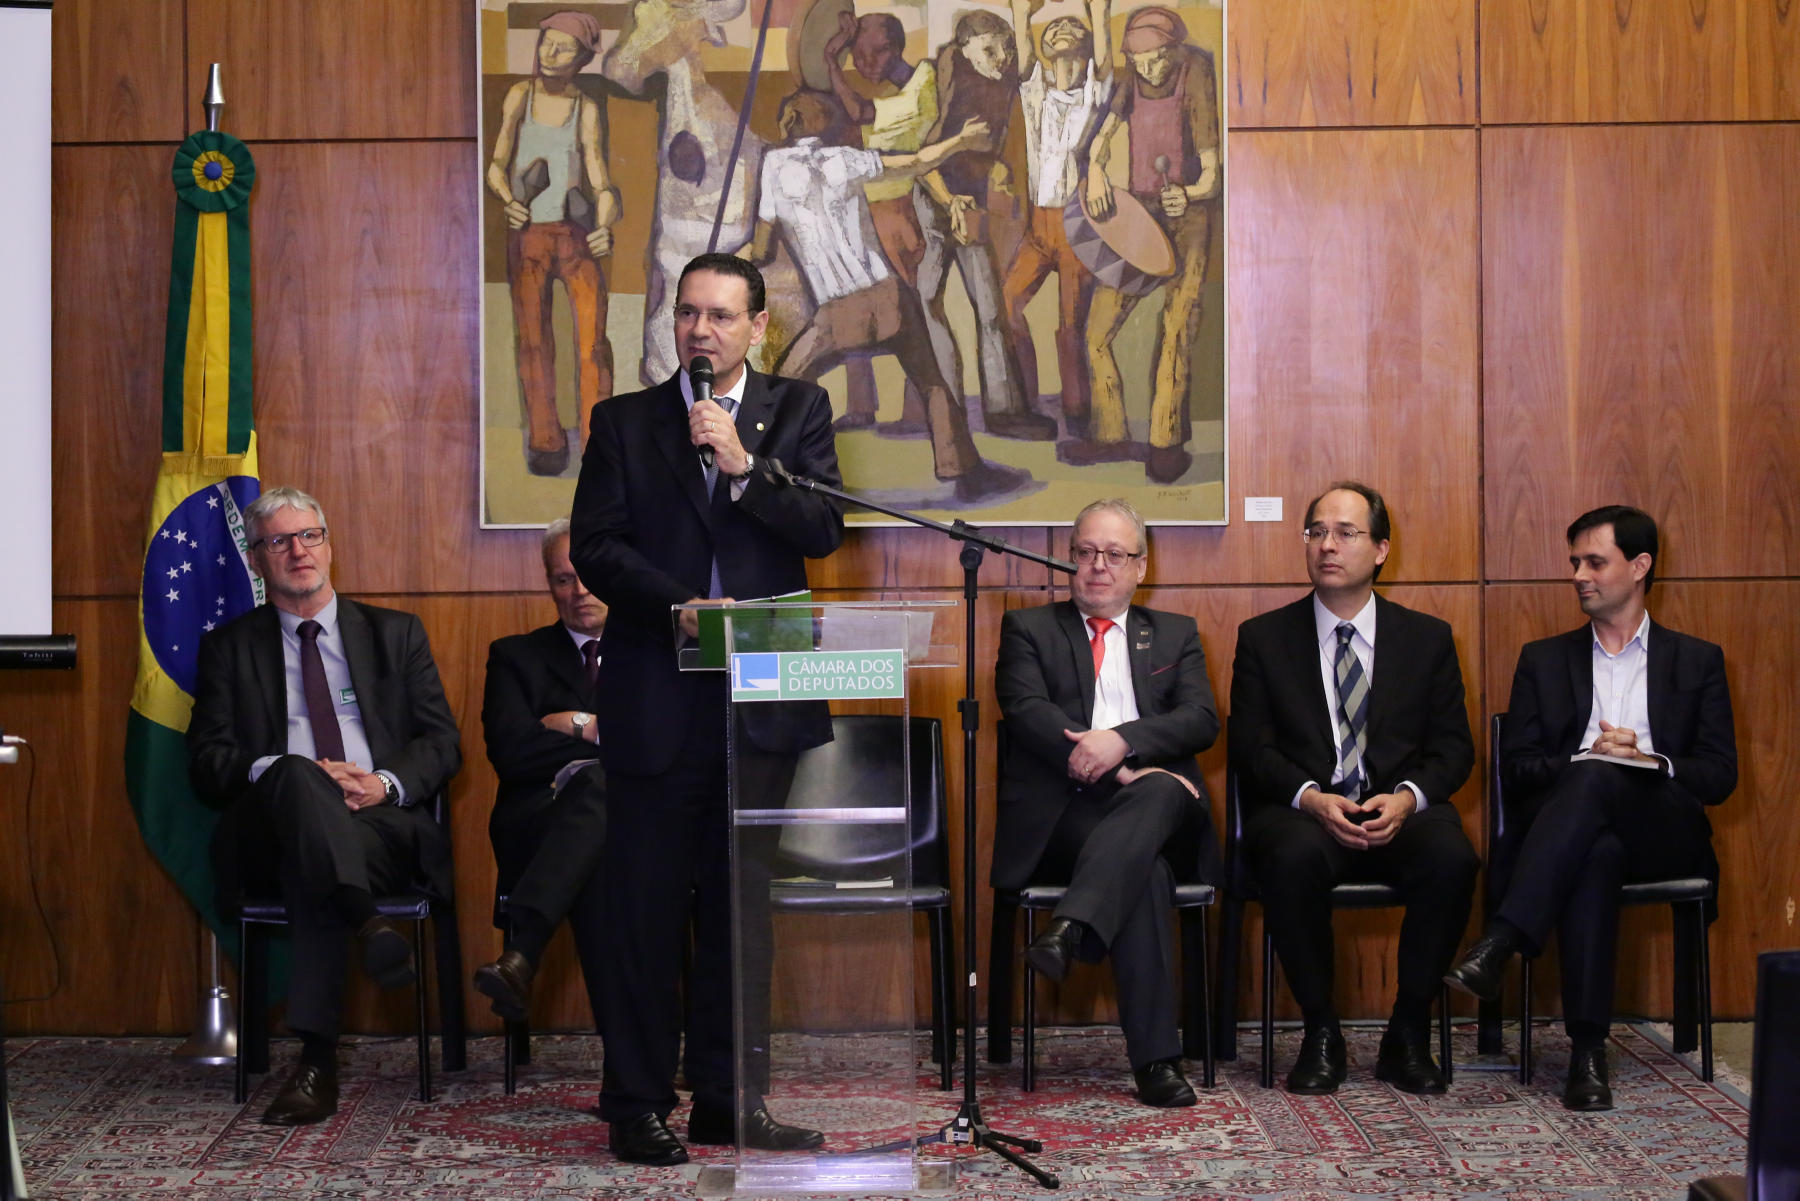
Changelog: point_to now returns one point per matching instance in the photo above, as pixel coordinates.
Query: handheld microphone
(700, 376)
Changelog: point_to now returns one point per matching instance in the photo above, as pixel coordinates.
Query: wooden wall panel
(1353, 341)
(1757, 840)
(364, 261)
(1350, 62)
(110, 233)
(340, 69)
(1641, 293)
(119, 76)
(1643, 60)
(127, 940)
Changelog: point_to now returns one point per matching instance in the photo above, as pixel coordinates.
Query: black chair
(1772, 1165)
(1241, 889)
(516, 1047)
(257, 914)
(865, 764)
(1686, 896)
(1191, 902)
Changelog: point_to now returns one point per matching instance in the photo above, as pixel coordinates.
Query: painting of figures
(993, 230)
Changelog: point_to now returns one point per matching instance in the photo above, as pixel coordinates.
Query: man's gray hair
(271, 502)
(555, 530)
(1121, 506)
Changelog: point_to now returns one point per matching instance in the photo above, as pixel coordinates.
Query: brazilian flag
(196, 560)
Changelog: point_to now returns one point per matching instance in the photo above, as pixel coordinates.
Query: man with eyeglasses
(319, 727)
(549, 821)
(655, 525)
(1618, 735)
(1106, 704)
(1349, 736)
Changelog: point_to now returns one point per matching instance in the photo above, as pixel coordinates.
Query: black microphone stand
(967, 1127)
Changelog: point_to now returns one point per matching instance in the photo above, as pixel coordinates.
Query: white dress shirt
(343, 697)
(1362, 643)
(1115, 701)
(731, 400)
(1622, 692)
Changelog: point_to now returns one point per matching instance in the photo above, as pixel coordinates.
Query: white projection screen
(25, 318)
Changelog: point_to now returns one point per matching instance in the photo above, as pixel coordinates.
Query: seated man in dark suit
(1348, 734)
(1106, 705)
(319, 726)
(1636, 693)
(538, 714)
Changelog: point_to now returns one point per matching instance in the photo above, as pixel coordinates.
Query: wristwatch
(581, 721)
(749, 467)
(391, 790)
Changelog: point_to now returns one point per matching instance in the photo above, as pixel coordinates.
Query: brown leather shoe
(309, 1095)
(507, 983)
(386, 954)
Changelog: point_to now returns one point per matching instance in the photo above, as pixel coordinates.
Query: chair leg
(509, 1056)
(1444, 1056)
(1705, 969)
(240, 1091)
(453, 1039)
(1687, 983)
(943, 1003)
(424, 1027)
(1030, 1008)
(1524, 1020)
(1209, 1074)
(1195, 1008)
(1000, 979)
(1225, 1005)
(1268, 1010)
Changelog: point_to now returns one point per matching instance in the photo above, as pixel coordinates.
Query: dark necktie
(590, 659)
(1352, 712)
(328, 740)
(1097, 643)
(716, 588)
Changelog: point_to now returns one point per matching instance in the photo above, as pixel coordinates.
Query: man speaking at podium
(672, 507)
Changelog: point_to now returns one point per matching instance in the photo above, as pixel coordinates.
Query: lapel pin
(759, 426)
(1142, 646)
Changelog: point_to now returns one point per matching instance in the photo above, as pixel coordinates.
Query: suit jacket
(529, 675)
(1044, 680)
(1690, 711)
(644, 534)
(240, 712)
(1281, 731)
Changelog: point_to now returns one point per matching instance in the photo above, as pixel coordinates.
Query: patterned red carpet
(118, 1118)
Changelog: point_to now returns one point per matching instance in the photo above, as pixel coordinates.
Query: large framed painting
(993, 231)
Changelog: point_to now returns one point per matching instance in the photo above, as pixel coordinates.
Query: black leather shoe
(1405, 1062)
(1052, 952)
(1161, 1084)
(309, 1095)
(386, 954)
(1482, 971)
(1586, 1089)
(1320, 1067)
(712, 1127)
(645, 1139)
(507, 983)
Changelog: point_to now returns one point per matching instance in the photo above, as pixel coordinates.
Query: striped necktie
(1352, 712)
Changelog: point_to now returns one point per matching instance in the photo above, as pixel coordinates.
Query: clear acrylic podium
(821, 870)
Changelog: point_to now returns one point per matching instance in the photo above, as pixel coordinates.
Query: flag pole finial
(214, 100)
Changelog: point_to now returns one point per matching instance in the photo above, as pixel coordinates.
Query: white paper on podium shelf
(846, 628)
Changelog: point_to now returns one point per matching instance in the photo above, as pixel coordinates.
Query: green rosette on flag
(196, 562)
